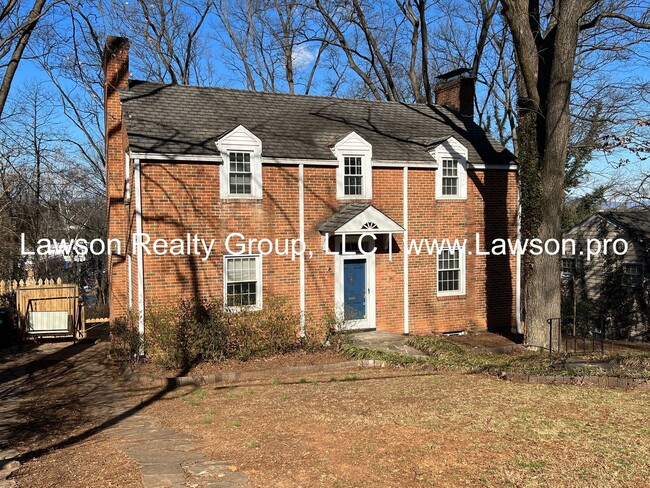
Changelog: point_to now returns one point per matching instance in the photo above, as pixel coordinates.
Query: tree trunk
(545, 68)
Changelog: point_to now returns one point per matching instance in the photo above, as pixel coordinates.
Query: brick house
(212, 162)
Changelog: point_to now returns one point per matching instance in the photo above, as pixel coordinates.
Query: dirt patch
(298, 358)
(394, 427)
(93, 462)
(483, 340)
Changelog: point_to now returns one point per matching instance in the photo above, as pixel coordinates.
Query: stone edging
(594, 380)
(258, 374)
(261, 374)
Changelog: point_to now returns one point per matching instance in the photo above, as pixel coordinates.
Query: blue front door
(354, 288)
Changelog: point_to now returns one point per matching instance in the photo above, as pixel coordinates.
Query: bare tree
(16, 29)
(271, 44)
(546, 38)
(166, 38)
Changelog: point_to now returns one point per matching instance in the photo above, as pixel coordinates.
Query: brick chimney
(116, 78)
(456, 91)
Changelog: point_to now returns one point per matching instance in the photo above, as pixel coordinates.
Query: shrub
(167, 336)
(193, 331)
(126, 342)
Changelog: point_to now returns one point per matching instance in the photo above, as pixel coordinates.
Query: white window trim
(258, 277)
(451, 149)
(353, 145)
(461, 274)
(240, 140)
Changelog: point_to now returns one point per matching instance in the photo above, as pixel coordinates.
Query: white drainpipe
(139, 255)
(405, 219)
(301, 217)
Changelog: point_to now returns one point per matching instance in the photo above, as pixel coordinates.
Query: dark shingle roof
(636, 221)
(347, 213)
(174, 119)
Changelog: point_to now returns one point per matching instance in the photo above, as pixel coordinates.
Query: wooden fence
(46, 307)
(9, 287)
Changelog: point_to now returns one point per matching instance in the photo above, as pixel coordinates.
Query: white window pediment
(354, 171)
(240, 175)
(370, 221)
(451, 176)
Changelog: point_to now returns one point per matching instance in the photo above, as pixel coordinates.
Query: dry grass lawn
(395, 428)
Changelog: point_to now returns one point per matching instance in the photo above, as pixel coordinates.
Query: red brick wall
(184, 197)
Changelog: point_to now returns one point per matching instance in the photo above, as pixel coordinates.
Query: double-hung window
(632, 274)
(354, 169)
(568, 267)
(243, 281)
(450, 179)
(352, 175)
(451, 272)
(240, 175)
(451, 175)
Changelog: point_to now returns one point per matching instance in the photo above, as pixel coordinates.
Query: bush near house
(177, 336)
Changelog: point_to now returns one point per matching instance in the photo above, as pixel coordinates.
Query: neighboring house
(213, 161)
(613, 284)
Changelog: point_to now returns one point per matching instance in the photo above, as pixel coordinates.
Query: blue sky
(604, 167)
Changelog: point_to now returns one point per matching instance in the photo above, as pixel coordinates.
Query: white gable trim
(355, 146)
(451, 149)
(240, 139)
(370, 221)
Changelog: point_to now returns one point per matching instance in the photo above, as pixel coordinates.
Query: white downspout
(129, 270)
(405, 219)
(301, 217)
(139, 255)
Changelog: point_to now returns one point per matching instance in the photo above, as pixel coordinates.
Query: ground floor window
(243, 281)
(451, 272)
(568, 267)
(632, 274)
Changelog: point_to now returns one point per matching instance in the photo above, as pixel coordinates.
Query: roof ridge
(302, 95)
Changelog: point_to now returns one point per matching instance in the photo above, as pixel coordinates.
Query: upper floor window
(352, 175)
(451, 272)
(354, 172)
(451, 175)
(450, 185)
(240, 176)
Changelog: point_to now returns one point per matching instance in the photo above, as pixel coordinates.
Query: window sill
(451, 294)
(354, 198)
(241, 199)
(248, 308)
(451, 198)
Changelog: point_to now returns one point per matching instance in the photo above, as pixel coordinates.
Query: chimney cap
(452, 74)
(115, 42)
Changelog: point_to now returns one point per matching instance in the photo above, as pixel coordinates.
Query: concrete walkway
(58, 394)
(381, 340)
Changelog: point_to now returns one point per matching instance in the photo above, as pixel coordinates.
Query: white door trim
(369, 321)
